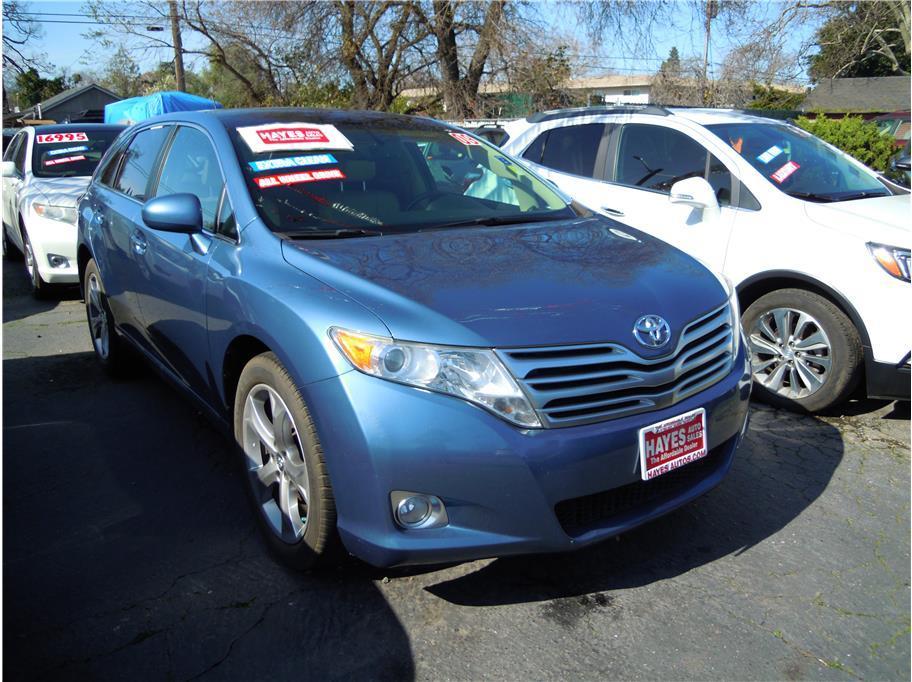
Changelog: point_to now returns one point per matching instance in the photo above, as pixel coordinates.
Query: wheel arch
(763, 283)
(241, 350)
(83, 256)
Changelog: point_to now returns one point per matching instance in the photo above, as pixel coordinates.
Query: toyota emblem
(652, 331)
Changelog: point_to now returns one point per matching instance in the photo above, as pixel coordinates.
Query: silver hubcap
(790, 353)
(98, 318)
(275, 463)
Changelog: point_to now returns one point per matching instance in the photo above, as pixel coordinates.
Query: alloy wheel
(275, 463)
(98, 316)
(791, 354)
(29, 260)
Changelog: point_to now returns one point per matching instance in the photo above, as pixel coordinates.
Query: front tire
(40, 288)
(283, 461)
(805, 352)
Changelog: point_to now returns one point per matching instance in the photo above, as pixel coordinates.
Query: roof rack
(593, 111)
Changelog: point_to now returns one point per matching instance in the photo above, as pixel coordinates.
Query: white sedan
(45, 170)
(816, 243)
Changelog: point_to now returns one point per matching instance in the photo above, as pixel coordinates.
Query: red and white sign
(467, 140)
(61, 137)
(672, 443)
(293, 136)
(65, 159)
(786, 170)
(281, 179)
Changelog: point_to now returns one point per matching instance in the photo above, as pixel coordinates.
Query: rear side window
(534, 151)
(572, 149)
(13, 147)
(192, 167)
(19, 159)
(139, 160)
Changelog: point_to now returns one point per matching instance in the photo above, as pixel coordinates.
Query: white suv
(816, 243)
(45, 170)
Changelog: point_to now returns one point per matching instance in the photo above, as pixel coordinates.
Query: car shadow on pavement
(18, 302)
(130, 549)
(784, 464)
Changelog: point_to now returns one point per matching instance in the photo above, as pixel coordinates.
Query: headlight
(893, 259)
(63, 214)
(472, 374)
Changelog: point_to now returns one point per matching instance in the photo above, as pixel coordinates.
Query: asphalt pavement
(129, 552)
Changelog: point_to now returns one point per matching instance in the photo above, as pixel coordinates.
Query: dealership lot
(129, 550)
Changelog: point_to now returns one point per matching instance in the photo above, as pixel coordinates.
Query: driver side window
(654, 158)
(192, 167)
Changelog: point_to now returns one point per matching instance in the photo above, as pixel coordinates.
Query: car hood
(880, 219)
(562, 282)
(58, 191)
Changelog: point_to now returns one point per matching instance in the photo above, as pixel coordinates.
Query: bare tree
(19, 31)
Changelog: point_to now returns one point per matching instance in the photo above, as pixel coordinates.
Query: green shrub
(853, 135)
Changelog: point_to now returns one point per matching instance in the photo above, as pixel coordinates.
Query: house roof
(859, 95)
(62, 97)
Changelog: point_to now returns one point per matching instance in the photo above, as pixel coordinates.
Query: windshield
(65, 154)
(355, 178)
(798, 163)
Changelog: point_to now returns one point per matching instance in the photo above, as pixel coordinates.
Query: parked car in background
(900, 170)
(45, 170)
(897, 125)
(816, 243)
(440, 367)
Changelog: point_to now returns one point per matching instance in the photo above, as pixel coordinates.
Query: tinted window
(227, 225)
(13, 147)
(19, 159)
(534, 151)
(720, 180)
(110, 169)
(653, 157)
(192, 167)
(70, 153)
(572, 149)
(139, 160)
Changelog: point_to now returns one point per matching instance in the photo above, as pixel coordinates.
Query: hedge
(853, 135)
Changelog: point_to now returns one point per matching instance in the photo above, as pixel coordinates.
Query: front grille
(581, 514)
(570, 385)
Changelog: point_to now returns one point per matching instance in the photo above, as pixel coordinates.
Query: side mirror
(8, 170)
(174, 213)
(695, 192)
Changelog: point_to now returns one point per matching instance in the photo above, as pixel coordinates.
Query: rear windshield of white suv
(798, 163)
(71, 153)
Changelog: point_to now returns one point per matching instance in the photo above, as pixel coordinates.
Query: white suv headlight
(472, 374)
(63, 214)
(893, 259)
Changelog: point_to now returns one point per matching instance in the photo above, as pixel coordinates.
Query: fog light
(417, 510)
(56, 261)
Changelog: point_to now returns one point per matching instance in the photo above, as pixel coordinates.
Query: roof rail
(594, 111)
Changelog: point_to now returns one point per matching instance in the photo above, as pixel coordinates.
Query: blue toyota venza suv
(423, 349)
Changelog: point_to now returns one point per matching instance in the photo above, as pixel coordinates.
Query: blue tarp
(136, 109)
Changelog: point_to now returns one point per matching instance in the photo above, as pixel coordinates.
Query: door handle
(612, 211)
(138, 242)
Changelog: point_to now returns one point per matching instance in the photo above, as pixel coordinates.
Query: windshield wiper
(861, 195)
(811, 196)
(331, 234)
(515, 219)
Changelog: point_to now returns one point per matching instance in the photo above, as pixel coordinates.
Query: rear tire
(110, 349)
(805, 352)
(288, 483)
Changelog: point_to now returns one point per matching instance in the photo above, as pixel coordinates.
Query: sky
(67, 48)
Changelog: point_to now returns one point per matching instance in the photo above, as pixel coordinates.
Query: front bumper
(500, 484)
(53, 237)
